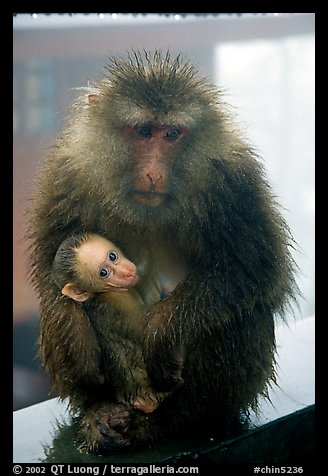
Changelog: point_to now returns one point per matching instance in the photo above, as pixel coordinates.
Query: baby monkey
(88, 263)
(91, 270)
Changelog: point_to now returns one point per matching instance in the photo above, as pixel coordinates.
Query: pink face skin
(155, 148)
(107, 265)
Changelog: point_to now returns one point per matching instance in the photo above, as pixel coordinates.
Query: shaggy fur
(219, 215)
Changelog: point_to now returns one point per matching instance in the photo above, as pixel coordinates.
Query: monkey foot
(102, 429)
(146, 406)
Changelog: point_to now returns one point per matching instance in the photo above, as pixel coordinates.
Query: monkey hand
(144, 405)
(103, 429)
(148, 399)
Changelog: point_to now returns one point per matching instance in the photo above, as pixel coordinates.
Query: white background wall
(271, 84)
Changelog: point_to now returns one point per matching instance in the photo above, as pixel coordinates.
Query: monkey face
(105, 266)
(153, 142)
(155, 147)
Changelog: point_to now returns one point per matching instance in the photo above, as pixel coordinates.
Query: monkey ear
(74, 292)
(93, 98)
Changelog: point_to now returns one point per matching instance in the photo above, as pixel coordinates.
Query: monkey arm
(236, 284)
(166, 326)
(186, 332)
(68, 346)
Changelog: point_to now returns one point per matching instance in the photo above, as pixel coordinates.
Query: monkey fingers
(102, 428)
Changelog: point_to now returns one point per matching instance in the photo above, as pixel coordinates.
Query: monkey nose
(153, 180)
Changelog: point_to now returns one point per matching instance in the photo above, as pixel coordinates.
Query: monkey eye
(144, 131)
(112, 255)
(104, 272)
(172, 135)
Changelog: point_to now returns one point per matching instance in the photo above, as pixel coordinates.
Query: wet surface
(45, 433)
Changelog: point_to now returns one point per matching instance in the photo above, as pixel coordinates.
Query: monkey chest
(163, 272)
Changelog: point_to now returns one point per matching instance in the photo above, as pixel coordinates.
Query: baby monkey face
(106, 265)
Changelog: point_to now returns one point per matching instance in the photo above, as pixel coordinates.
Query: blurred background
(264, 63)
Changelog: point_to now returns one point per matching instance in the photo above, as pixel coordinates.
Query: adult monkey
(152, 159)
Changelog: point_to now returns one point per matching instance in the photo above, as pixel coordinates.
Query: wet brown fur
(220, 216)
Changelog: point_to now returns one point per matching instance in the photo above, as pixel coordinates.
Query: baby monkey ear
(76, 293)
(93, 98)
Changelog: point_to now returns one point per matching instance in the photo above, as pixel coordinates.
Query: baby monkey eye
(112, 255)
(104, 272)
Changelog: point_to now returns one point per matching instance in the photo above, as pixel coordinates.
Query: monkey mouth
(131, 280)
(123, 284)
(134, 280)
(149, 199)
